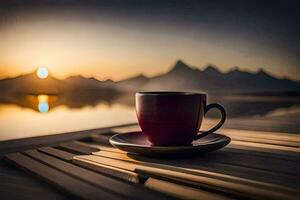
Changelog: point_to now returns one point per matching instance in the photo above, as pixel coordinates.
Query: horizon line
(260, 69)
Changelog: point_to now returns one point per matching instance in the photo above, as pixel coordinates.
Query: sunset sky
(117, 39)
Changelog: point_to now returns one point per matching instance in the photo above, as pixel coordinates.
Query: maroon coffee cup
(174, 118)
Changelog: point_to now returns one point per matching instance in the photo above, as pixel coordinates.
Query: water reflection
(43, 98)
(50, 114)
(235, 107)
(43, 107)
(40, 103)
(17, 122)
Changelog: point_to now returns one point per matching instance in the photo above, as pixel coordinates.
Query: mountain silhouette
(180, 77)
(183, 77)
(133, 83)
(73, 85)
(30, 84)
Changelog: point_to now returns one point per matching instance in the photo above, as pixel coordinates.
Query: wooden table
(255, 165)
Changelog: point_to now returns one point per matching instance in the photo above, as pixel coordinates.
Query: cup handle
(221, 122)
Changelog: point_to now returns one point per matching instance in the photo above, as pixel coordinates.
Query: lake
(37, 115)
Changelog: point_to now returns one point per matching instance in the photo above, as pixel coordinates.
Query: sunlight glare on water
(43, 105)
(17, 122)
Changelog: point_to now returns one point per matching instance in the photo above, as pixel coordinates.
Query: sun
(42, 72)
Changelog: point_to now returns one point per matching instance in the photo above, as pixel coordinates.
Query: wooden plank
(111, 149)
(107, 161)
(153, 185)
(96, 146)
(257, 139)
(59, 179)
(36, 142)
(279, 149)
(117, 187)
(261, 135)
(248, 191)
(181, 191)
(244, 160)
(197, 178)
(214, 166)
(266, 146)
(267, 141)
(15, 184)
(290, 156)
(252, 161)
(231, 148)
(257, 152)
(111, 171)
(78, 148)
(201, 163)
(247, 173)
(238, 163)
(102, 138)
(235, 162)
(57, 153)
(285, 155)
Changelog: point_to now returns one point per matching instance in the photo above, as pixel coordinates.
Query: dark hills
(180, 77)
(73, 85)
(184, 77)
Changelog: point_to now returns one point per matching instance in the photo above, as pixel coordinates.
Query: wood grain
(57, 153)
(188, 165)
(256, 165)
(260, 152)
(267, 141)
(104, 169)
(109, 170)
(266, 146)
(115, 186)
(57, 178)
(78, 148)
(201, 163)
(232, 158)
(197, 178)
(233, 133)
(181, 191)
(36, 142)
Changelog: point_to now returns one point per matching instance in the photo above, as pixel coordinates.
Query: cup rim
(170, 93)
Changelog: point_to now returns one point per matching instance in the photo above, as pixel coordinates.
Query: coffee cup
(174, 118)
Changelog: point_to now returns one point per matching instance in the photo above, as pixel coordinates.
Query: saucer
(136, 142)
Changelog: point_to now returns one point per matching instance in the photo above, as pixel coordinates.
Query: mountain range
(184, 77)
(179, 77)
